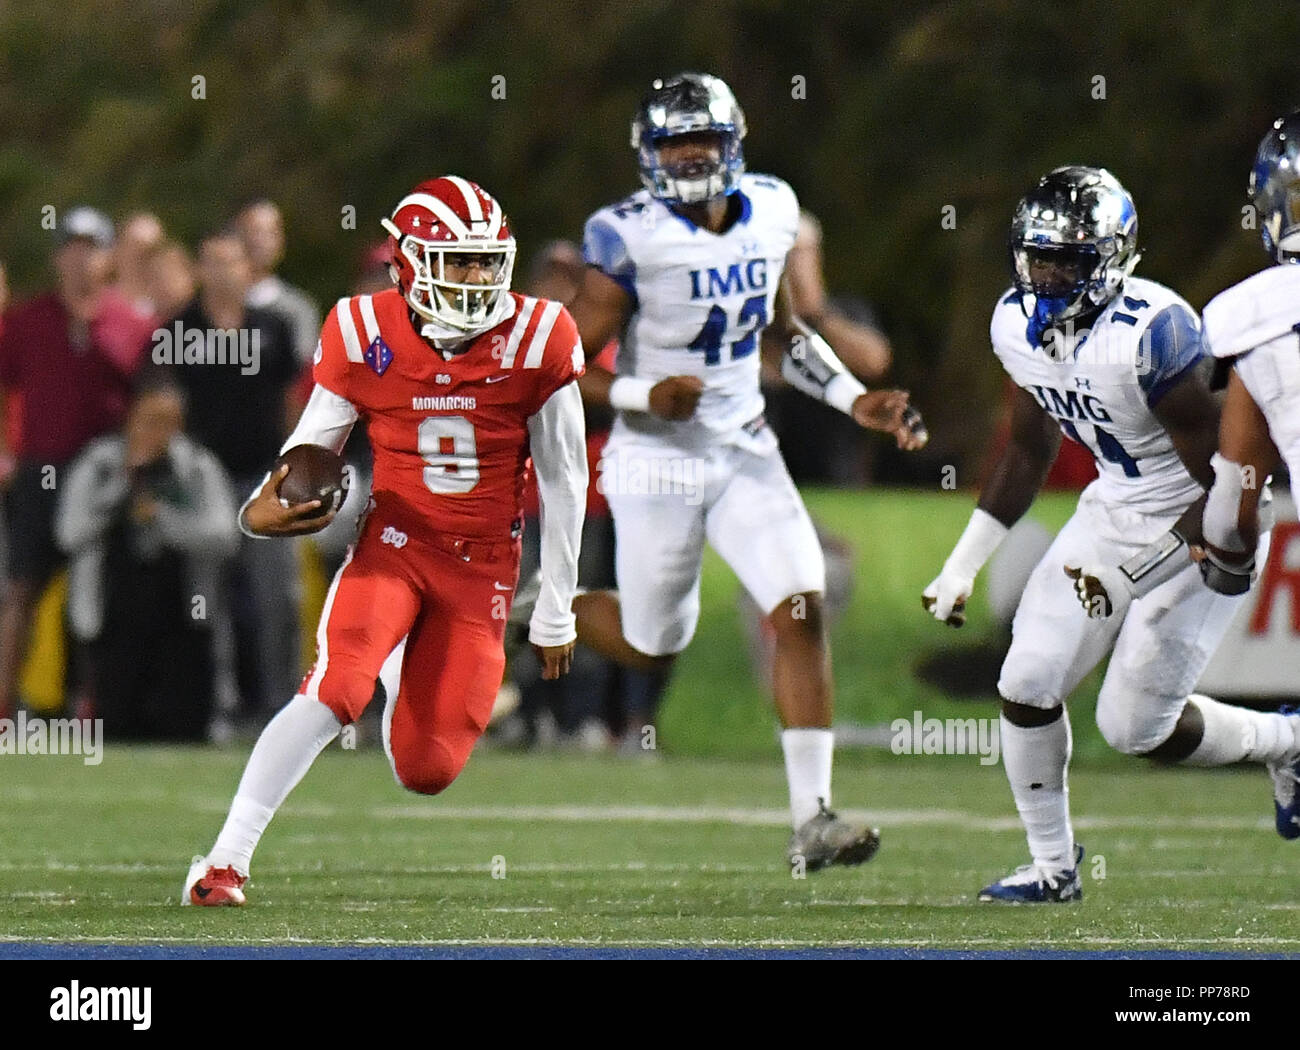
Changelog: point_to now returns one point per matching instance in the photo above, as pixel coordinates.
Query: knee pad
(1132, 721)
(1019, 688)
(346, 691)
(428, 773)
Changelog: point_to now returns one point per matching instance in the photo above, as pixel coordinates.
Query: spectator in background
(333, 541)
(69, 356)
(374, 276)
(172, 280)
(261, 227)
(139, 238)
(243, 413)
(147, 518)
(12, 415)
(12, 412)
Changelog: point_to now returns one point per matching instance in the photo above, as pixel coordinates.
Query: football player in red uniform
(459, 380)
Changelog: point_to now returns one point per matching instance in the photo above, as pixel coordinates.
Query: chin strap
(1043, 318)
(444, 337)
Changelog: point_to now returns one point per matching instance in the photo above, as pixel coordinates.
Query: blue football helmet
(689, 103)
(1073, 243)
(1275, 189)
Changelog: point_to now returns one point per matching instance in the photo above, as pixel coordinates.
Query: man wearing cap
(68, 356)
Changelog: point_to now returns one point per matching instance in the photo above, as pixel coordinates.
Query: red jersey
(449, 434)
(70, 395)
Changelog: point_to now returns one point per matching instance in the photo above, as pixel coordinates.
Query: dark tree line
(880, 114)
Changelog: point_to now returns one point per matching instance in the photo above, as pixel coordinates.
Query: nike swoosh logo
(499, 587)
(201, 890)
(497, 379)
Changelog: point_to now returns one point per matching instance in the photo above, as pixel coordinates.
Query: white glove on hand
(945, 598)
(1102, 590)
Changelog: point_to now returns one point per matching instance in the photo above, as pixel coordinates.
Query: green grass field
(610, 852)
(684, 850)
(715, 705)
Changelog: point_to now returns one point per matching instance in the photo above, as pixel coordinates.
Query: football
(314, 473)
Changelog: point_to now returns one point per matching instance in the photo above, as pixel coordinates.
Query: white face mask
(445, 337)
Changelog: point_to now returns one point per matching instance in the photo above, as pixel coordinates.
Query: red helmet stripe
(439, 208)
(472, 201)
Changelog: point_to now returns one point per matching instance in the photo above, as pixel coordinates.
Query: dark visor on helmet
(1053, 271)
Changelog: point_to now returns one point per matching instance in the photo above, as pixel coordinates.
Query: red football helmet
(450, 222)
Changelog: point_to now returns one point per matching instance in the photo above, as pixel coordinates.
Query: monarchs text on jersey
(449, 433)
(700, 300)
(1102, 384)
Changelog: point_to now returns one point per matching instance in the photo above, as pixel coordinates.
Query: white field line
(886, 818)
(539, 868)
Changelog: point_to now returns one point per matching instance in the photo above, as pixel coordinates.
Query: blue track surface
(189, 951)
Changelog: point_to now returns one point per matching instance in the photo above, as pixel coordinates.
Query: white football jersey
(1103, 389)
(700, 302)
(1258, 323)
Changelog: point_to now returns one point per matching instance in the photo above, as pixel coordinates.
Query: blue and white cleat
(1029, 884)
(1286, 786)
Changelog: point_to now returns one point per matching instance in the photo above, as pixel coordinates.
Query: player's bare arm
(1016, 479)
(1246, 456)
(1190, 415)
(601, 311)
(864, 350)
(1022, 468)
(810, 365)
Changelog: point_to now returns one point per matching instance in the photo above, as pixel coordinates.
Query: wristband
(842, 391)
(983, 534)
(630, 394)
(1223, 506)
(1225, 578)
(1155, 564)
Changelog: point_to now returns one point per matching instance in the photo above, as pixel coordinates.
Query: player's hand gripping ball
(315, 473)
(305, 488)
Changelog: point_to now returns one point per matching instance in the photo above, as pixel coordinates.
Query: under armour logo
(393, 536)
(442, 378)
(1082, 383)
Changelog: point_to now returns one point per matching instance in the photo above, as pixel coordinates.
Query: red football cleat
(213, 887)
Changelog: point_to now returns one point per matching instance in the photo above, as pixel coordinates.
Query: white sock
(284, 752)
(1036, 760)
(807, 770)
(1234, 734)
